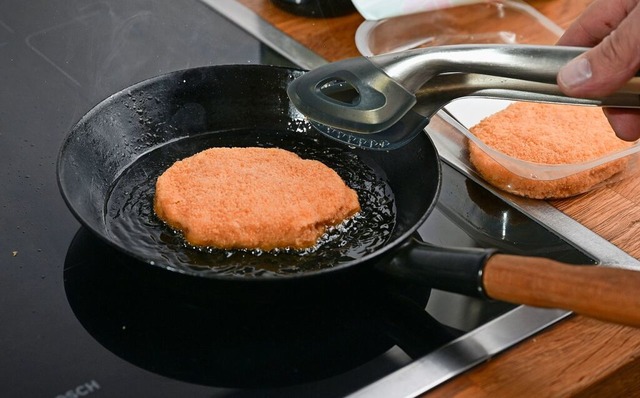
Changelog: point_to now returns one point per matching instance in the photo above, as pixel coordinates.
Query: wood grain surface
(597, 292)
(578, 357)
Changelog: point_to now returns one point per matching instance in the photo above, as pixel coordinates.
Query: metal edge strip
(462, 354)
(266, 33)
(492, 338)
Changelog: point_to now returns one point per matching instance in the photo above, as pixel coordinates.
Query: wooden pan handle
(607, 294)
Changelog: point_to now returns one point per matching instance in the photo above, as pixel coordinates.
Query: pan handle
(453, 269)
(608, 294)
(601, 292)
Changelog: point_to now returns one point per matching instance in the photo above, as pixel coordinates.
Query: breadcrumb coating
(252, 198)
(547, 134)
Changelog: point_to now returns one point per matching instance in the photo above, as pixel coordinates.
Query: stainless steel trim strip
(462, 354)
(266, 33)
(575, 233)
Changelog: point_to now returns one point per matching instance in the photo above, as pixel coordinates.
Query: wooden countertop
(578, 357)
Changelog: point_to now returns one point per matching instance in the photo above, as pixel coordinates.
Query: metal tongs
(384, 101)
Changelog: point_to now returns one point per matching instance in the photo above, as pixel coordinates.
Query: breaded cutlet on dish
(252, 198)
(547, 134)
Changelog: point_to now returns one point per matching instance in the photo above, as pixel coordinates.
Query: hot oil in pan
(131, 220)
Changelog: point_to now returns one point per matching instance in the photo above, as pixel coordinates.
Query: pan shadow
(244, 335)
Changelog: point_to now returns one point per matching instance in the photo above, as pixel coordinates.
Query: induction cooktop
(79, 320)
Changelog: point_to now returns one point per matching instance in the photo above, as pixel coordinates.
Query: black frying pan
(109, 162)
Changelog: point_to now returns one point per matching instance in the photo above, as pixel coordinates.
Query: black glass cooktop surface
(80, 319)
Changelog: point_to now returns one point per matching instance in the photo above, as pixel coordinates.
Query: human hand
(612, 28)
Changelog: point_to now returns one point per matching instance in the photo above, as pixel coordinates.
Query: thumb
(608, 66)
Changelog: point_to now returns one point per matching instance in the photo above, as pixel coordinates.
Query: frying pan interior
(109, 162)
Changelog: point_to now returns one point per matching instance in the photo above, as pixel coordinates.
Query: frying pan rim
(101, 233)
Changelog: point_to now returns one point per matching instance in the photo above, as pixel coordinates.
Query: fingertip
(575, 74)
(625, 122)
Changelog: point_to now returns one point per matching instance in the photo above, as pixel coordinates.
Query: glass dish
(486, 22)
(450, 131)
